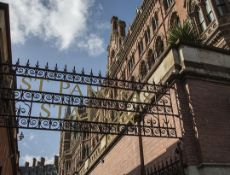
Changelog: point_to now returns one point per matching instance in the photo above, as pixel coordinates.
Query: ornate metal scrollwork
(53, 124)
(161, 108)
(158, 114)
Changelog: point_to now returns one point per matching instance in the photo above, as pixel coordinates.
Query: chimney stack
(56, 161)
(42, 161)
(27, 164)
(34, 162)
(121, 28)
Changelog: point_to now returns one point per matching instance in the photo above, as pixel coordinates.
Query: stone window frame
(150, 58)
(222, 7)
(208, 11)
(155, 22)
(147, 35)
(159, 46)
(131, 64)
(200, 19)
(202, 14)
(167, 4)
(143, 69)
(174, 20)
(140, 46)
(112, 55)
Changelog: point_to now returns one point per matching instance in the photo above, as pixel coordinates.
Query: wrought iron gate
(160, 111)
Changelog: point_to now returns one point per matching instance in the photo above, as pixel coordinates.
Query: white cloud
(31, 137)
(29, 158)
(61, 21)
(93, 44)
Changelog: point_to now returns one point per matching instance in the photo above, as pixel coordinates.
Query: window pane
(221, 7)
(209, 11)
(201, 20)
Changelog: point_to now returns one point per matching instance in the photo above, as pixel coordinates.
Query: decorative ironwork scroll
(147, 129)
(157, 118)
(64, 75)
(161, 107)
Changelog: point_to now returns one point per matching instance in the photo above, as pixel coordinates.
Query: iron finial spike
(19, 110)
(37, 64)
(47, 65)
(18, 61)
(99, 73)
(74, 69)
(83, 71)
(65, 69)
(56, 67)
(28, 62)
(91, 72)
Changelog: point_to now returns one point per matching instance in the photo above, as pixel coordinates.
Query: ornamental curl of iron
(85, 101)
(53, 124)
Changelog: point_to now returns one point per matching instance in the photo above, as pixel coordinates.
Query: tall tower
(116, 39)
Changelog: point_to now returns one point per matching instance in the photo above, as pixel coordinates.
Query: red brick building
(9, 155)
(200, 76)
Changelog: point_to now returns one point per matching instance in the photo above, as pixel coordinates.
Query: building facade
(200, 76)
(39, 167)
(9, 154)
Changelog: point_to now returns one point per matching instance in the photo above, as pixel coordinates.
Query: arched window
(112, 54)
(155, 22)
(167, 4)
(200, 19)
(147, 35)
(159, 47)
(140, 47)
(150, 59)
(143, 70)
(222, 6)
(208, 11)
(174, 20)
(133, 79)
(131, 64)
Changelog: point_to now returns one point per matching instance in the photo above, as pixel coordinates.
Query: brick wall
(5, 158)
(122, 159)
(211, 105)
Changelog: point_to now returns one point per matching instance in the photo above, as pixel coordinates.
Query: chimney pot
(27, 164)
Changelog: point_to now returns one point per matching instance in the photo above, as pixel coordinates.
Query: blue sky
(71, 32)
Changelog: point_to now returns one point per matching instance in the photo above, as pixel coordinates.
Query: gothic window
(133, 79)
(85, 151)
(175, 20)
(200, 19)
(143, 70)
(123, 77)
(167, 3)
(155, 22)
(147, 36)
(131, 63)
(140, 47)
(150, 58)
(222, 6)
(208, 11)
(112, 54)
(159, 47)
